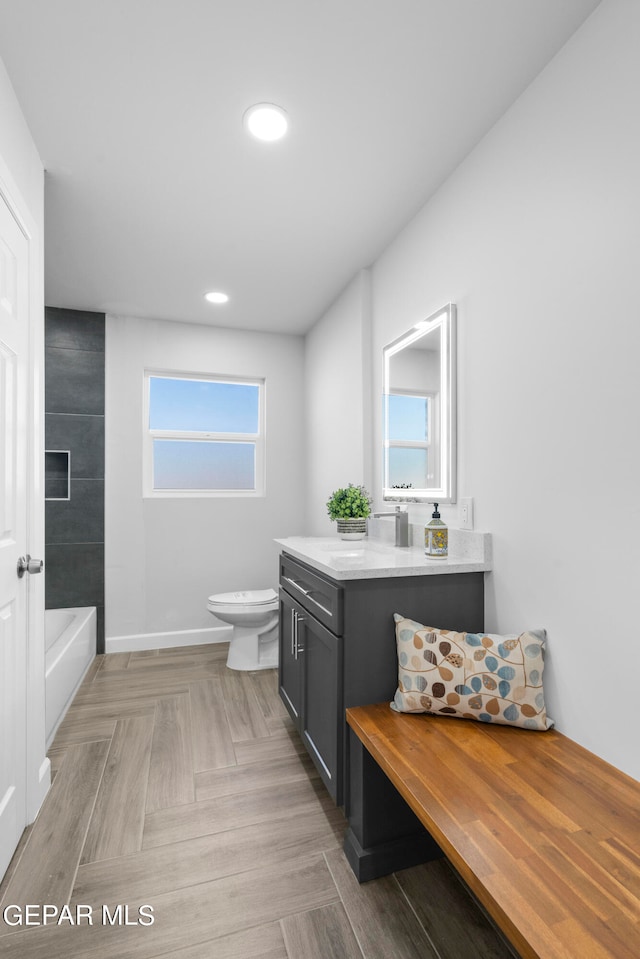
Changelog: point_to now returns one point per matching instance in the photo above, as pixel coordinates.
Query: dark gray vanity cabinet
(289, 661)
(310, 666)
(338, 647)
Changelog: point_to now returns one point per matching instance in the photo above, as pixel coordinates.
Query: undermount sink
(357, 547)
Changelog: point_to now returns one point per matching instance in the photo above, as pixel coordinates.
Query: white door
(14, 406)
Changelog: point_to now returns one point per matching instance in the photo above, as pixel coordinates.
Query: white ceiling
(155, 194)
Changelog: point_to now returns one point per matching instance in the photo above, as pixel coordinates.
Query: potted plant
(350, 507)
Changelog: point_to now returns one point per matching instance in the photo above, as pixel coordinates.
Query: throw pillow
(482, 676)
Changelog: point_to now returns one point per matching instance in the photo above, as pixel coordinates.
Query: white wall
(536, 238)
(21, 161)
(164, 557)
(415, 369)
(338, 372)
(22, 185)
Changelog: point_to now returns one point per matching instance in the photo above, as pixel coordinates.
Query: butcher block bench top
(543, 832)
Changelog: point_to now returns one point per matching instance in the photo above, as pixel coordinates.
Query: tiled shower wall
(74, 421)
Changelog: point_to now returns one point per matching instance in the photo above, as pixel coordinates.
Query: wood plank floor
(183, 786)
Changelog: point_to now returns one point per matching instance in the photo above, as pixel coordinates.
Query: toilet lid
(247, 597)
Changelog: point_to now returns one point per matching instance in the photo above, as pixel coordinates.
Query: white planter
(352, 528)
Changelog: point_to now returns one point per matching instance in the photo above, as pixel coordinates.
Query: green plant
(351, 501)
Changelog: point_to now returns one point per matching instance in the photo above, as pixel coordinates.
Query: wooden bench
(545, 834)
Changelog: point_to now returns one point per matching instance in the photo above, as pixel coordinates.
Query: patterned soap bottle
(436, 537)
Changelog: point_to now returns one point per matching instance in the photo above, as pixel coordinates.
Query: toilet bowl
(253, 614)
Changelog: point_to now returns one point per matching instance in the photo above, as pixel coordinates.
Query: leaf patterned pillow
(482, 676)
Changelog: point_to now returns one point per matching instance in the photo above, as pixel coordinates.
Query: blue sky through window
(408, 417)
(209, 406)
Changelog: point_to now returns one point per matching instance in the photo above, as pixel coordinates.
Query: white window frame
(258, 440)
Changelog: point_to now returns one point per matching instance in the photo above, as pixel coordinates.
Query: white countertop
(470, 552)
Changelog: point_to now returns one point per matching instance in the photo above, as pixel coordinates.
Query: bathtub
(70, 646)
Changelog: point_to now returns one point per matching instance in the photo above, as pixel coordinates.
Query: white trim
(183, 637)
(44, 779)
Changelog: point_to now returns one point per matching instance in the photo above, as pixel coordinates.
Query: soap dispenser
(436, 537)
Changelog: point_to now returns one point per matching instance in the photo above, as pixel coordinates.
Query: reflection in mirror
(419, 412)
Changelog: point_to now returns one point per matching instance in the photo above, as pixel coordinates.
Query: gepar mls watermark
(78, 915)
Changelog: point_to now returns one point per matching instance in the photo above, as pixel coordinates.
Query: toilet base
(250, 648)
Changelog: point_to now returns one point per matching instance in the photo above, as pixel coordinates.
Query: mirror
(419, 414)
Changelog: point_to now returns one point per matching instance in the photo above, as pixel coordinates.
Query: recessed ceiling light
(266, 121)
(216, 297)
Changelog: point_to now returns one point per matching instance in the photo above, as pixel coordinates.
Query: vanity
(338, 597)
(338, 649)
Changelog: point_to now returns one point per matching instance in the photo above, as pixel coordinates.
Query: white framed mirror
(419, 412)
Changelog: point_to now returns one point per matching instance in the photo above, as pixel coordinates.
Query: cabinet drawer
(319, 596)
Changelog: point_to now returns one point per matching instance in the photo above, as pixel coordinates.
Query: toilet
(253, 614)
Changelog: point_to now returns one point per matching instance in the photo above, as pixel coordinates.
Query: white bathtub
(70, 644)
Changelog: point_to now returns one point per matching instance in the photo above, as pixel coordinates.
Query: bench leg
(384, 834)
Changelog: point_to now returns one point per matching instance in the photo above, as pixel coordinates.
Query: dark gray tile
(56, 488)
(74, 575)
(74, 381)
(74, 329)
(83, 436)
(80, 519)
(100, 643)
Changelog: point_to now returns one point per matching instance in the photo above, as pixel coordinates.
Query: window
(410, 440)
(204, 436)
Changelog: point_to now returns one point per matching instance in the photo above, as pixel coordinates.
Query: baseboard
(183, 637)
(39, 790)
(44, 776)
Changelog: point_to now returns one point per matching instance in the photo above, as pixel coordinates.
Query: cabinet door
(320, 653)
(289, 663)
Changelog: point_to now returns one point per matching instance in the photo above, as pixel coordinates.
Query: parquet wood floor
(182, 786)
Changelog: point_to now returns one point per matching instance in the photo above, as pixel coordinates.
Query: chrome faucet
(402, 524)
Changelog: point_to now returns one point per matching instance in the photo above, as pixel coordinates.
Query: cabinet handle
(296, 618)
(307, 593)
(299, 648)
(297, 585)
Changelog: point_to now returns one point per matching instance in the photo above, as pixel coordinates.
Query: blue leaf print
(472, 640)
